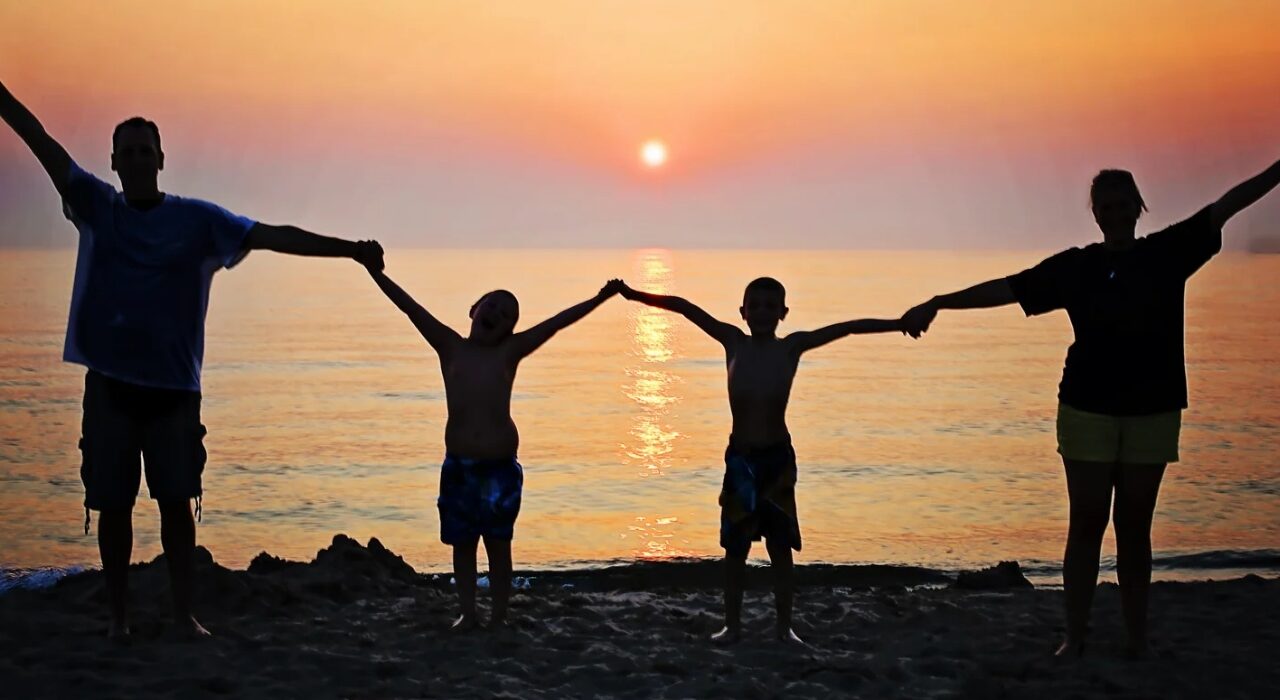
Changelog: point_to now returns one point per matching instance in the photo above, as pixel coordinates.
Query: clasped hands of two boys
(913, 323)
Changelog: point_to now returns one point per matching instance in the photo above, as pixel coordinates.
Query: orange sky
(808, 114)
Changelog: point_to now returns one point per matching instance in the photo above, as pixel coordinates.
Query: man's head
(764, 305)
(494, 316)
(135, 153)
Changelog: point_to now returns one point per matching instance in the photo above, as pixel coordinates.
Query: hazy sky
(905, 123)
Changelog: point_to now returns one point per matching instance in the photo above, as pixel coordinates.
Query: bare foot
(190, 628)
(789, 636)
(1070, 648)
(465, 623)
(728, 635)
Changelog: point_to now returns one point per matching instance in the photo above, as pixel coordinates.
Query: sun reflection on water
(651, 386)
(653, 389)
(655, 538)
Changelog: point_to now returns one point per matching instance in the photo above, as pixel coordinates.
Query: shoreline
(1208, 565)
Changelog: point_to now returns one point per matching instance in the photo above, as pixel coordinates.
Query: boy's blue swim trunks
(758, 498)
(478, 498)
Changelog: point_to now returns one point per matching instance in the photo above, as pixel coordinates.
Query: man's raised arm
(295, 241)
(49, 152)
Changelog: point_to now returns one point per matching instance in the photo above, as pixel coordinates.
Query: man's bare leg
(735, 576)
(1089, 487)
(178, 536)
(115, 546)
(783, 588)
(464, 573)
(499, 552)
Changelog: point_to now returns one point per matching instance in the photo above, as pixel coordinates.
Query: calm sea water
(326, 411)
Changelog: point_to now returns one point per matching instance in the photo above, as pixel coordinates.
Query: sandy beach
(359, 622)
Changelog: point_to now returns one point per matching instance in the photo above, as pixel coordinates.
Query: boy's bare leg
(499, 577)
(178, 536)
(464, 572)
(783, 587)
(115, 545)
(735, 576)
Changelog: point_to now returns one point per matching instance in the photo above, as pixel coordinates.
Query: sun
(653, 153)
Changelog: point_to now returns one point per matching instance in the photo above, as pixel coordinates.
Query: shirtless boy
(481, 481)
(758, 498)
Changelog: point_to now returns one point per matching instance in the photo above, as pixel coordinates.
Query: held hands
(917, 319)
(613, 286)
(623, 289)
(369, 254)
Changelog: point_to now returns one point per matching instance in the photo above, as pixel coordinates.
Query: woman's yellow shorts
(1097, 437)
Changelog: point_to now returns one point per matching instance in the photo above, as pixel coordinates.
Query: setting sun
(653, 153)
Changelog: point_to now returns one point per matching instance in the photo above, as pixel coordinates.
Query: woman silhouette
(1124, 384)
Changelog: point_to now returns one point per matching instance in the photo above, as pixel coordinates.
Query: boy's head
(764, 305)
(494, 316)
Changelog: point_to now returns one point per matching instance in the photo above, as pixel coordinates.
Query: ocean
(326, 412)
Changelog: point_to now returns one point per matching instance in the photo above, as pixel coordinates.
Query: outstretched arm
(295, 241)
(1244, 194)
(49, 152)
(803, 341)
(996, 292)
(721, 331)
(525, 342)
(438, 335)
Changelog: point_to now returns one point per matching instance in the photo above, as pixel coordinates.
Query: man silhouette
(144, 267)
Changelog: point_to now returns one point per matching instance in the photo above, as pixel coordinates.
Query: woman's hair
(1119, 180)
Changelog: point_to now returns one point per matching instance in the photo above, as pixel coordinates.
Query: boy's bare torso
(760, 377)
(477, 386)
